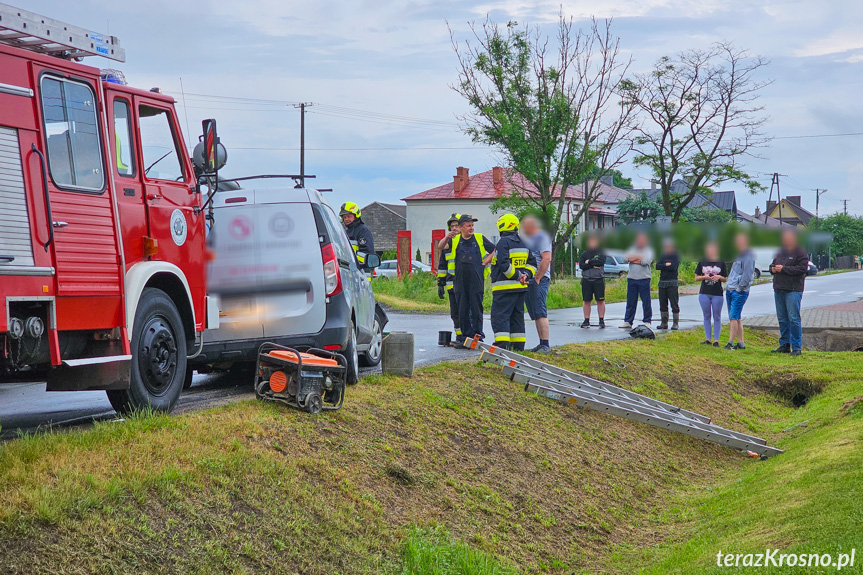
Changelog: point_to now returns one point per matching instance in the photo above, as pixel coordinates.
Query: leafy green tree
(705, 214)
(619, 180)
(550, 106)
(701, 120)
(640, 208)
(847, 233)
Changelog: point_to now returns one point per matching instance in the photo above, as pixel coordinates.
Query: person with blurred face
(789, 269)
(592, 264)
(512, 270)
(539, 243)
(668, 265)
(640, 258)
(711, 272)
(444, 278)
(737, 290)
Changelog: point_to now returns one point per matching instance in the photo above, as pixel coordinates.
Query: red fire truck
(102, 223)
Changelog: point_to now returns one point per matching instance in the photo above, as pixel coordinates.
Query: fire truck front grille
(15, 238)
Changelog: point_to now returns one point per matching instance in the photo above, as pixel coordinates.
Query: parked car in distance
(285, 272)
(764, 257)
(615, 266)
(812, 270)
(388, 269)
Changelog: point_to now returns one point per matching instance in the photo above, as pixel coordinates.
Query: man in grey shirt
(640, 258)
(539, 243)
(737, 289)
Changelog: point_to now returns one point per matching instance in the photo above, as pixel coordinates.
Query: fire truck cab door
(125, 163)
(85, 245)
(174, 218)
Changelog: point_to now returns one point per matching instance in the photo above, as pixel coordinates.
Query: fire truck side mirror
(209, 155)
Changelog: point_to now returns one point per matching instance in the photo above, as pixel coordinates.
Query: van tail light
(332, 275)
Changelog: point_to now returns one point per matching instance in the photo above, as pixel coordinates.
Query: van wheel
(757, 273)
(372, 357)
(352, 376)
(158, 357)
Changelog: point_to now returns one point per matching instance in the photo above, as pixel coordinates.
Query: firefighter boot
(664, 323)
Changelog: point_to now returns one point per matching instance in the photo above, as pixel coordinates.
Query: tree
(701, 120)
(551, 109)
(619, 180)
(705, 214)
(847, 233)
(640, 208)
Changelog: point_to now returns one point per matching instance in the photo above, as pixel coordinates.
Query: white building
(474, 195)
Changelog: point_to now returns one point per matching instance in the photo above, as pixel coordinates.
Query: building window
(72, 134)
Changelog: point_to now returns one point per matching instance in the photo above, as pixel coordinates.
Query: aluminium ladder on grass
(43, 35)
(570, 387)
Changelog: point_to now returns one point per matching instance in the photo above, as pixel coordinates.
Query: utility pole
(818, 193)
(774, 182)
(302, 106)
(845, 202)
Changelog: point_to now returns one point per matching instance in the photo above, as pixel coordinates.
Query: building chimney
(460, 179)
(757, 212)
(793, 200)
(607, 179)
(652, 185)
(497, 175)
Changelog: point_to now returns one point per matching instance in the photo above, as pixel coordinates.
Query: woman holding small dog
(711, 272)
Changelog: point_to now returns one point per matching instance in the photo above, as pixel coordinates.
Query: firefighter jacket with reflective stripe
(512, 258)
(362, 242)
(443, 275)
(483, 252)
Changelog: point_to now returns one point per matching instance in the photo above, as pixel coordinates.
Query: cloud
(838, 41)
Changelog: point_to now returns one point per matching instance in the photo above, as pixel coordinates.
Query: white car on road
(388, 269)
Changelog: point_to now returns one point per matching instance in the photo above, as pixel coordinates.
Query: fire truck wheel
(158, 356)
(352, 375)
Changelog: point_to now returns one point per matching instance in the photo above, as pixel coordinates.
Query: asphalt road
(26, 407)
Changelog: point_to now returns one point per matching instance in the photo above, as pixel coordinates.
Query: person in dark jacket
(512, 268)
(789, 269)
(444, 278)
(592, 264)
(668, 265)
(359, 234)
(471, 252)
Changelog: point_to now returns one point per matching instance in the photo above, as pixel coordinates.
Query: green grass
(456, 470)
(434, 552)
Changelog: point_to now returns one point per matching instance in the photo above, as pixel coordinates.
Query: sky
(384, 119)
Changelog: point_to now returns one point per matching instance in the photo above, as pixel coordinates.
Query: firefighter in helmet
(444, 278)
(359, 234)
(511, 269)
(471, 253)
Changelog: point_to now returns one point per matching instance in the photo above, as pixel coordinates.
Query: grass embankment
(419, 292)
(454, 471)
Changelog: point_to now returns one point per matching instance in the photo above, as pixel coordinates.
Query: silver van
(284, 272)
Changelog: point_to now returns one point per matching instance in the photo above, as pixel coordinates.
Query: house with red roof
(475, 194)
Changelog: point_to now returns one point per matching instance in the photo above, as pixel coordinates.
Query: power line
(818, 136)
(370, 149)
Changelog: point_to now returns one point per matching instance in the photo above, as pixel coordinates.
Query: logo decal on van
(281, 225)
(179, 229)
(240, 228)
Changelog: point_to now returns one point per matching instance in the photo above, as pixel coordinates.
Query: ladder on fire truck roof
(570, 387)
(30, 31)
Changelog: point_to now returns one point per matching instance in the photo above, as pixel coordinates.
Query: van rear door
(268, 265)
